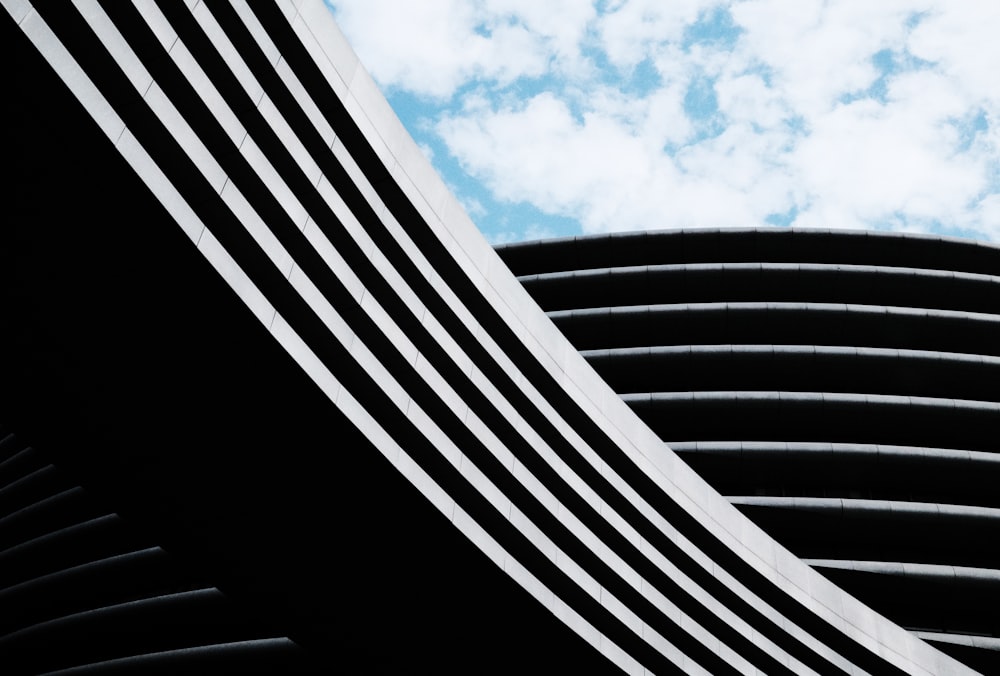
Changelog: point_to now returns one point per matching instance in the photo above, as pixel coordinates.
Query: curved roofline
(397, 182)
(429, 195)
(750, 230)
(580, 381)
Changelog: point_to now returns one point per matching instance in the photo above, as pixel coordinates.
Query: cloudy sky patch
(571, 116)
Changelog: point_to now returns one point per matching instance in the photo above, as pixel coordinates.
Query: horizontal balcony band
(928, 571)
(787, 282)
(778, 350)
(83, 569)
(10, 445)
(879, 530)
(383, 327)
(832, 398)
(151, 605)
(18, 464)
(33, 487)
(846, 470)
(149, 624)
(896, 509)
(802, 416)
(785, 448)
(625, 460)
(800, 367)
(777, 306)
(764, 267)
(834, 324)
(251, 651)
(82, 586)
(758, 244)
(919, 596)
(981, 653)
(79, 543)
(983, 642)
(65, 508)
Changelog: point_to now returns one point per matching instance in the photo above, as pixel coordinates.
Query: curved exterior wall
(841, 388)
(271, 401)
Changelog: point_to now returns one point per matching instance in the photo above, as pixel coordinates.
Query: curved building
(842, 389)
(271, 403)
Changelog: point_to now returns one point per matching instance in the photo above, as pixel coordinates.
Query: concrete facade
(271, 402)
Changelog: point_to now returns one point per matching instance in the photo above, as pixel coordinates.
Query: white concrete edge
(242, 283)
(451, 223)
(245, 289)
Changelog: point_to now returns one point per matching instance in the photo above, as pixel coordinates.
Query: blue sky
(571, 116)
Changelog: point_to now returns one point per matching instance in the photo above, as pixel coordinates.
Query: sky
(567, 117)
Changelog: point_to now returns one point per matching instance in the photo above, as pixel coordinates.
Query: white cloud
(836, 113)
(633, 30)
(960, 38)
(560, 24)
(746, 99)
(600, 171)
(819, 51)
(433, 47)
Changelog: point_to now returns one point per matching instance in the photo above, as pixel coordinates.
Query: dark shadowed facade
(841, 388)
(271, 404)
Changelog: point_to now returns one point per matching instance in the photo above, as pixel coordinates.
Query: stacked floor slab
(841, 388)
(272, 404)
